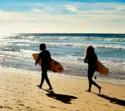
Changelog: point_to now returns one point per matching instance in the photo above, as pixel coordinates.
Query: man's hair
(42, 46)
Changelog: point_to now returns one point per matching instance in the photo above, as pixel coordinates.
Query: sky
(62, 16)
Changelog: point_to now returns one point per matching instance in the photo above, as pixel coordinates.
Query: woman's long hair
(90, 50)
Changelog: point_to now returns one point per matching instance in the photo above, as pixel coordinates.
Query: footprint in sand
(8, 107)
(1, 106)
(21, 105)
(52, 107)
(29, 108)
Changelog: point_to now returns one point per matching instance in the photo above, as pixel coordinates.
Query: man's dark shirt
(45, 57)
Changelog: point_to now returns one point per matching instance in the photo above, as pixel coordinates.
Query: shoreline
(18, 91)
(100, 78)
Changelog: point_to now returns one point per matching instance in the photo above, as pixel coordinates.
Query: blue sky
(62, 16)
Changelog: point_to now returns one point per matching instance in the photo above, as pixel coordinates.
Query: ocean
(69, 49)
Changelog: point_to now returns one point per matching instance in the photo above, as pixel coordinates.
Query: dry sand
(18, 92)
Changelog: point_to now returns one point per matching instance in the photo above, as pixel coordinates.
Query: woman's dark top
(91, 60)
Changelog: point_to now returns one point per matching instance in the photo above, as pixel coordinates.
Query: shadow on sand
(112, 99)
(60, 97)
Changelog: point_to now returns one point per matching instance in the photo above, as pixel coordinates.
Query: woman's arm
(86, 59)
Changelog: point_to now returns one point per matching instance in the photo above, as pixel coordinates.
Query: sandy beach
(18, 92)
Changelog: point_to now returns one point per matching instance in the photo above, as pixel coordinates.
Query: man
(45, 57)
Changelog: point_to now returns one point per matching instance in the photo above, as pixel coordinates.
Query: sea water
(68, 49)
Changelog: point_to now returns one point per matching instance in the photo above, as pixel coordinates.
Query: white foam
(84, 44)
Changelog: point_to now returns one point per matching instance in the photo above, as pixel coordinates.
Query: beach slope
(18, 92)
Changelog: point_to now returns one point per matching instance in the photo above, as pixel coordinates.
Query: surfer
(91, 59)
(45, 56)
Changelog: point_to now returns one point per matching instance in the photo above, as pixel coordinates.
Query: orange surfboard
(54, 65)
(101, 68)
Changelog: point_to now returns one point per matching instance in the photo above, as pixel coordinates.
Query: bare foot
(88, 90)
(99, 89)
(39, 86)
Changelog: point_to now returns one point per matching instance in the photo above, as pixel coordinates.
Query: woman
(91, 59)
